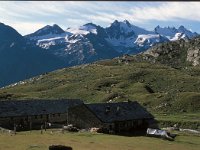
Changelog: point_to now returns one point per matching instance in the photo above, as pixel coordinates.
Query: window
(26, 119)
(110, 127)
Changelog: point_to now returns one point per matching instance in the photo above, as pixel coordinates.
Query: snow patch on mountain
(149, 39)
(51, 39)
(179, 36)
(77, 31)
(85, 29)
(50, 36)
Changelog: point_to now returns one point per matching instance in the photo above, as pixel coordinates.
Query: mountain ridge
(123, 37)
(74, 46)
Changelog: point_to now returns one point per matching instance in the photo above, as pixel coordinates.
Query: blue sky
(26, 16)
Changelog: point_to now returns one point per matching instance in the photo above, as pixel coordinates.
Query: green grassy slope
(157, 87)
(89, 141)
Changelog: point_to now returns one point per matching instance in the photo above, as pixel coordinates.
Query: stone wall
(32, 121)
(82, 117)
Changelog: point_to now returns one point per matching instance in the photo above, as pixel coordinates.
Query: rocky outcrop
(193, 56)
(175, 54)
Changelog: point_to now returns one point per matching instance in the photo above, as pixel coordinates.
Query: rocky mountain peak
(182, 28)
(90, 24)
(127, 23)
(116, 22)
(46, 30)
(9, 34)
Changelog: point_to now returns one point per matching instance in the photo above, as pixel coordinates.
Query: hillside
(156, 86)
(165, 78)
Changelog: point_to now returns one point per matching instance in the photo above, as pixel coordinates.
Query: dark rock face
(19, 60)
(55, 29)
(8, 35)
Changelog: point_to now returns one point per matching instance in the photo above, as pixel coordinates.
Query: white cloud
(25, 27)
(168, 11)
(26, 16)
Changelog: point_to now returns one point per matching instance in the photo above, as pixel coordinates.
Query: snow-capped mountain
(48, 36)
(121, 37)
(128, 38)
(75, 45)
(175, 34)
(46, 32)
(20, 60)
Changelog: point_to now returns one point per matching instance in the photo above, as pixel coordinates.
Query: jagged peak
(122, 24)
(127, 22)
(48, 29)
(90, 24)
(54, 26)
(181, 27)
(116, 22)
(90, 27)
(157, 27)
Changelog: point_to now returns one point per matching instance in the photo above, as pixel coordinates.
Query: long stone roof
(13, 108)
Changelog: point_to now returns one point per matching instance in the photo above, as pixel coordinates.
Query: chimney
(107, 109)
(129, 101)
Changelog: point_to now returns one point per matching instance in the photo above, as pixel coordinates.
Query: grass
(90, 141)
(184, 120)
(179, 117)
(159, 88)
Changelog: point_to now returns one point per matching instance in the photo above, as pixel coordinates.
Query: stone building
(28, 114)
(117, 117)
